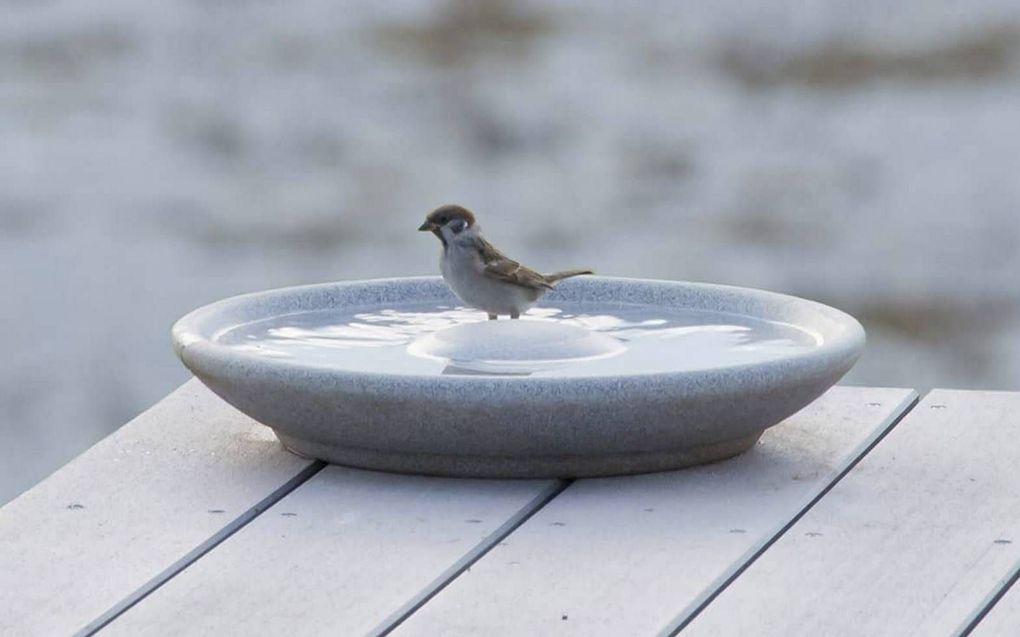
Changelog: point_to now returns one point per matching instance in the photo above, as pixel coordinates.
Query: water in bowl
(395, 340)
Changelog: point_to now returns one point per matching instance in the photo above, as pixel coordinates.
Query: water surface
(656, 339)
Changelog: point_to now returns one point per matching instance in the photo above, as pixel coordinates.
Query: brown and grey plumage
(478, 273)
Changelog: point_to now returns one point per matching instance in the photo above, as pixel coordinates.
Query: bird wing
(499, 266)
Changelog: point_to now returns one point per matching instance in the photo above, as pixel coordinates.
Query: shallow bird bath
(607, 376)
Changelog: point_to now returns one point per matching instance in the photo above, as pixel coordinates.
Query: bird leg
(492, 317)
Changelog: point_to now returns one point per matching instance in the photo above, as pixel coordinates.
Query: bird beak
(428, 226)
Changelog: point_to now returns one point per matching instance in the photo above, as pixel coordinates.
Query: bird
(478, 273)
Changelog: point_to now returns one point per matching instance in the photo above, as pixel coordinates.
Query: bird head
(448, 221)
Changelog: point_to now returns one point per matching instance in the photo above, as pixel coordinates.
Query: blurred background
(158, 156)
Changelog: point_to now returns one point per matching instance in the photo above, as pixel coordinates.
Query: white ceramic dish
(607, 376)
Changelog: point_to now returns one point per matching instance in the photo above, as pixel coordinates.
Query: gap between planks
(389, 624)
(199, 551)
(993, 598)
(688, 614)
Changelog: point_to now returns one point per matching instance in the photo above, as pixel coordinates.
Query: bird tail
(566, 274)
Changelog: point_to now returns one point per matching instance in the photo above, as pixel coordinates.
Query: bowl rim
(203, 354)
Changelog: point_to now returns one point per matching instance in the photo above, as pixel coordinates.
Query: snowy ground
(157, 156)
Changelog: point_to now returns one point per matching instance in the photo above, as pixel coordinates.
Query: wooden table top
(867, 513)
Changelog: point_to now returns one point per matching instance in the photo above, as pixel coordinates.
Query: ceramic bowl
(607, 376)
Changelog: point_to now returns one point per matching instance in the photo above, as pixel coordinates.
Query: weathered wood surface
(95, 532)
(193, 520)
(347, 553)
(911, 541)
(624, 556)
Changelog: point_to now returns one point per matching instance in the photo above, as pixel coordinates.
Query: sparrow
(479, 274)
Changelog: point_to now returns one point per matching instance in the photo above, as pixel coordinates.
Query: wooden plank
(348, 553)
(910, 542)
(112, 521)
(622, 556)
(1000, 617)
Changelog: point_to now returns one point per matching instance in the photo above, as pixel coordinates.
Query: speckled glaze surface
(518, 426)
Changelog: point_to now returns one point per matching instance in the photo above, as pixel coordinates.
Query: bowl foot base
(565, 466)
